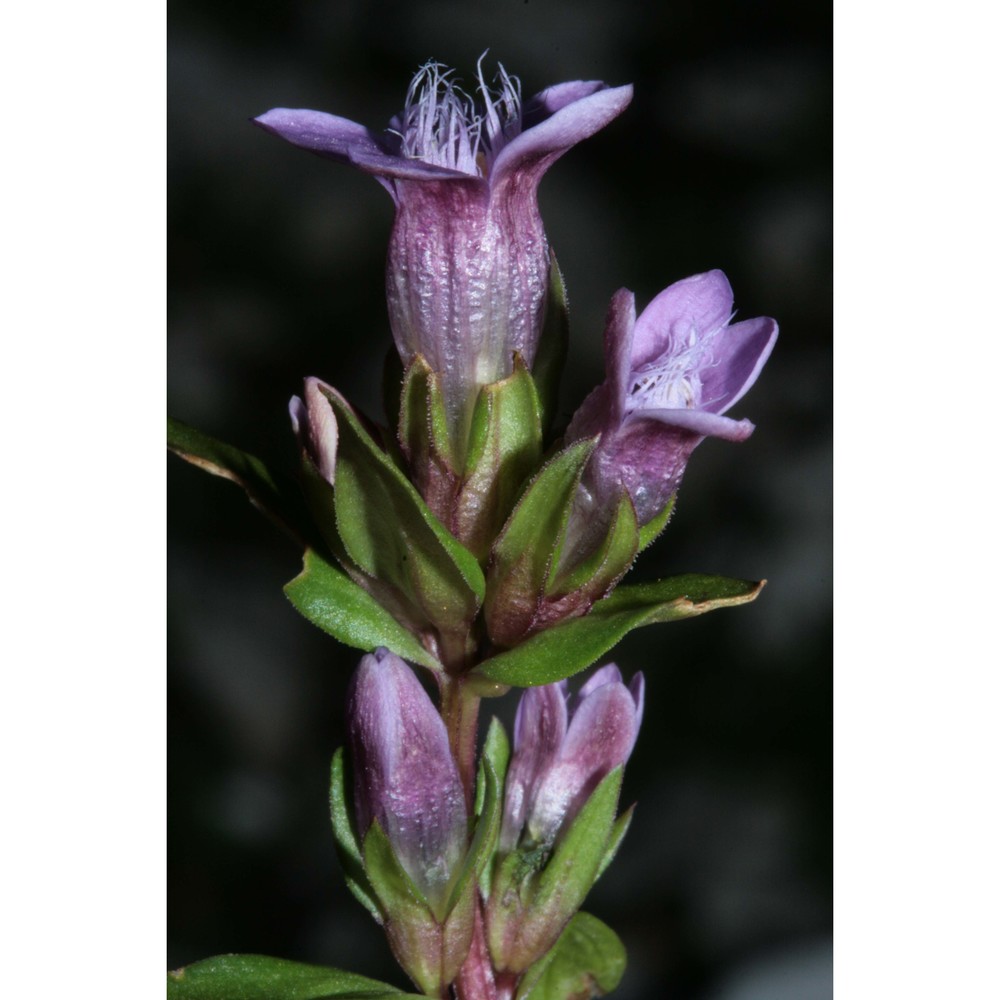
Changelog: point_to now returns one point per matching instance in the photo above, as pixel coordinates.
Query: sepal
(424, 438)
(530, 545)
(415, 935)
(346, 838)
(648, 533)
(553, 344)
(505, 447)
(536, 891)
(391, 536)
(571, 591)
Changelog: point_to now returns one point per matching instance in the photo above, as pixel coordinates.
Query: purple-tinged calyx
(315, 426)
(468, 263)
(560, 758)
(404, 774)
(671, 375)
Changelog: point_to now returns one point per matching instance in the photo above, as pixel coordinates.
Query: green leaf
(397, 894)
(587, 961)
(425, 440)
(572, 646)
(390, 534)
(257, 977)
(484, 841)
(329, 598)
(275, 495)
(414, 933)
(618, 832)
(423, 417)
(496, 751)
(596, 575)
(550, 357)
(537, 890)
(505, 448)
(529, 545)
(496, 754)
(571, 871)
(348, 848)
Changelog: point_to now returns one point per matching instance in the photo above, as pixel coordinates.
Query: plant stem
(460, 710)
(475, 979)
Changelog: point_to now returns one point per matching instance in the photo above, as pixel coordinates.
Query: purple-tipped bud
(558, 761)
(404, 774)
(468, 262)
(671, 374)
(316, 427)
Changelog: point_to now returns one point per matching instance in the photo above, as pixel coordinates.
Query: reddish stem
(475, 978)
(460, 710)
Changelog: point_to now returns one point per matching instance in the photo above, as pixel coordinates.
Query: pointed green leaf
(572, 646)
(414, 932)
(257, 977)
(505, 448)
(534, 899)
(496, 753)
(496, 750)
(275, 495)
(396, 891)
(572, 870)
(390, 534)
(529, 545)
(609, 562)
(348, 848)
(425, 441)
(550, 357)
(483, 841)
(648, 533)
(618, 832)
(329, 598)
(587, 961)
(423, 417)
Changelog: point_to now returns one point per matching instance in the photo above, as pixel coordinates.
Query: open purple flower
(558, 761)
(671, 374)
(405, 776)
(468, 263)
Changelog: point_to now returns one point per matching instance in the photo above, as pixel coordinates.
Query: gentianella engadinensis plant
(473, 539)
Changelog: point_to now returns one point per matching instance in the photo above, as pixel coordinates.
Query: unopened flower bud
(316, 427)
(559, 811)
(558, 761)
(404, 774)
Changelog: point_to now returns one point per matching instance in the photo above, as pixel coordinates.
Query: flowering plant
(473, 538)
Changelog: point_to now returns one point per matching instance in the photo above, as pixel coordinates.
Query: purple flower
(316, 427)
(404, 774)
(558, 761)
(468, 262)
(671, 374)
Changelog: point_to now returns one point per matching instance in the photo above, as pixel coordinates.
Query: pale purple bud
(315, 426)
(468, 263)
(404, 774)
(671, 374)
(555, 767)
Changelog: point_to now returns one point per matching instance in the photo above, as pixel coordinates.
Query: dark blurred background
(723, 888)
